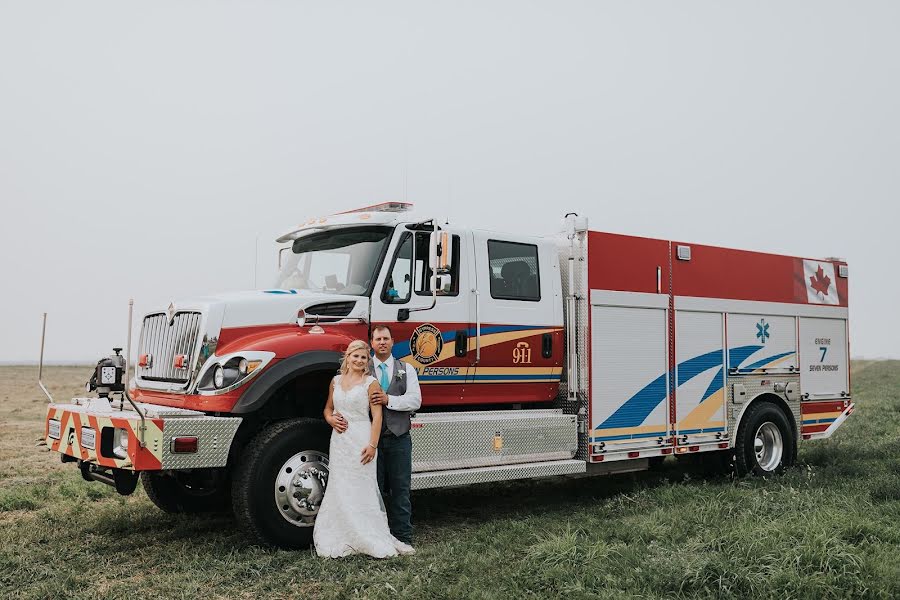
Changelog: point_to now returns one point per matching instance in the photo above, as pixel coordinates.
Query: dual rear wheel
(765, 445)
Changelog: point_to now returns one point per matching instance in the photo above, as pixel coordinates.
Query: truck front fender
(261, 390)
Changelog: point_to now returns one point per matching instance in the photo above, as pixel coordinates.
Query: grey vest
(395, 421)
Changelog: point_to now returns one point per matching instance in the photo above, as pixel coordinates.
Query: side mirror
(440, 252)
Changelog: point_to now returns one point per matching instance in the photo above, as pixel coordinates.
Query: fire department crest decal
(426, 343)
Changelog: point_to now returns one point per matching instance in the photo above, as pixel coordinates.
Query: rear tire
(765, 444)
(203, 490)
(280, 481)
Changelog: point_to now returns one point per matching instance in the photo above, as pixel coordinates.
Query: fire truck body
(588, 352)
(685, 338)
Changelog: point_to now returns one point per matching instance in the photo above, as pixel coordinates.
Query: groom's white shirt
(412, 399)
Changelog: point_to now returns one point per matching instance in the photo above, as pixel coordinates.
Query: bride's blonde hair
(353, 347)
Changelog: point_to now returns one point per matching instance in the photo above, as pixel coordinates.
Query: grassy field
(830, 528)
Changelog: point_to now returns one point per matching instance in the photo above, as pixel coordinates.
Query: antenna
(128, 352)
(41, 363)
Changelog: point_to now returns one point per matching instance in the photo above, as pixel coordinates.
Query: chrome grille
(163, 342)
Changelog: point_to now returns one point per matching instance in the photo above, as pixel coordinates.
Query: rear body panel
(674, 326)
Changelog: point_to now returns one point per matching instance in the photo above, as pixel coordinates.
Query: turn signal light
(185, 445)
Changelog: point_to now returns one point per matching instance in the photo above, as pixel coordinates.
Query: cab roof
(386, 213)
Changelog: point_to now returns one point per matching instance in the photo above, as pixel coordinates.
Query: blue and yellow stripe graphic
(626, 422)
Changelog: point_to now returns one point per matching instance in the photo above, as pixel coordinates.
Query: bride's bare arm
(335, 419)
(368, 452)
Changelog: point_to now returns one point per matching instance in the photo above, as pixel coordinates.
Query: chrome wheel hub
(300, 487)
(768, 446)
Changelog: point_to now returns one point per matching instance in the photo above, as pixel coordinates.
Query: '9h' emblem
(426, 343)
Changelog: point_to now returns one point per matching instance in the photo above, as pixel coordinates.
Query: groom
(400, 396)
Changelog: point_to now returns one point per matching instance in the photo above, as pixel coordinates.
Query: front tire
(765, 444)
(280, 481)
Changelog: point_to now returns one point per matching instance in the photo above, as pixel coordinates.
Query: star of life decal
(820, 282)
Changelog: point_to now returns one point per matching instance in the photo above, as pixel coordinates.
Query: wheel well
(772, 399)
(303, 396)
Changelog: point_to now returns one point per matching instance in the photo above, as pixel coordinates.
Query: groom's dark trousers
(394, 474)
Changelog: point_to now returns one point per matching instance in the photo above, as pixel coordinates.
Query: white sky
(145, 146)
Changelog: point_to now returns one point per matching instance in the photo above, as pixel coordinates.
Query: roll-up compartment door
(761, 343)
(824, 364)
(629, 375)
(700, 374)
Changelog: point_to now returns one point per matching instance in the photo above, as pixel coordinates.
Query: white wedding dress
(352, 519)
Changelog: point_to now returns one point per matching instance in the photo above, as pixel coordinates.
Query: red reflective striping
(77, 422)
(808, 408)
(815, 428)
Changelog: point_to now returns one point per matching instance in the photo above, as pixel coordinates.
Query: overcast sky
(145, 147)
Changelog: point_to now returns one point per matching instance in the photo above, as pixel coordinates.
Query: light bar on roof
(395, 207)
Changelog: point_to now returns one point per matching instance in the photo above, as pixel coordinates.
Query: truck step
(454, 477)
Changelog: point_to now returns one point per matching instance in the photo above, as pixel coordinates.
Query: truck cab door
(435, 341)
(519, 322)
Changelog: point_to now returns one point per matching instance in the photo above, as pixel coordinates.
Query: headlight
(120, 443)
(225, 373)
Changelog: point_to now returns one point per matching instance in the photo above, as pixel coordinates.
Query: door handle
(462, 343)
(547, 345)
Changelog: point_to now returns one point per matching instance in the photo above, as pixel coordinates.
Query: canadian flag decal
(820, 288)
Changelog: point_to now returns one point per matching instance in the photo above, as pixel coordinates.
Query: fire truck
(582, 352)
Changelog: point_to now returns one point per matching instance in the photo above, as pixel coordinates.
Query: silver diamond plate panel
(435, 479)
(215, 435)
(476, 439)
(756, 385)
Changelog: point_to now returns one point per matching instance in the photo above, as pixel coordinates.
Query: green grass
(829, 528)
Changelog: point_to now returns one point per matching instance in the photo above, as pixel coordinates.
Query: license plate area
(88, 438)
(53, 429)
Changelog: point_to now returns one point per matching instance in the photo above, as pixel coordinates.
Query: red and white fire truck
(584, 352)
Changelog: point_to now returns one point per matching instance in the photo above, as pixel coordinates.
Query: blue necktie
(383, 378)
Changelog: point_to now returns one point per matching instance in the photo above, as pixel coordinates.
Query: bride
(351, 519)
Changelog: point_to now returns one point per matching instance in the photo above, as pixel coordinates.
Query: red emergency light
(145, 361)
(382, 207)
(180, 361)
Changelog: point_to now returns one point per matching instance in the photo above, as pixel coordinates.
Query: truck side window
(449, 285)
(398, 285)
(514, 271)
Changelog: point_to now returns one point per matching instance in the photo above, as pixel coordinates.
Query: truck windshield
(342, 261)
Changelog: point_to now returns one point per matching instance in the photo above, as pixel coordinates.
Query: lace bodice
(354, 403)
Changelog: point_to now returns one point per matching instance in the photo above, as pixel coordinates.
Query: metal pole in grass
(41, 361)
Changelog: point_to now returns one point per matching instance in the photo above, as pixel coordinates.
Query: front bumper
(84, 429)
